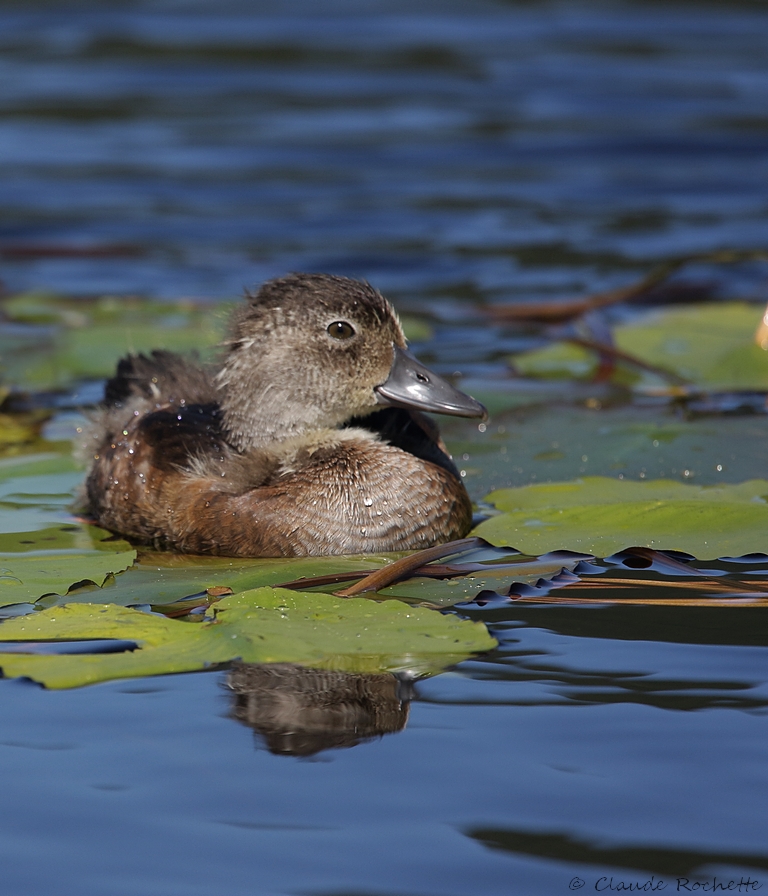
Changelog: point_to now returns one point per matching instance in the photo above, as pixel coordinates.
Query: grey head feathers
(304, 353)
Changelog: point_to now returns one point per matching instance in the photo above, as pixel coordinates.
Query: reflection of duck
(298, 711)
(283, 452)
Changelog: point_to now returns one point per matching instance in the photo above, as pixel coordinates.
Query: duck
(308, 437)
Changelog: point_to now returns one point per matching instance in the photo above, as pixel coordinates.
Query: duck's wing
(158, 379)
(159, 414)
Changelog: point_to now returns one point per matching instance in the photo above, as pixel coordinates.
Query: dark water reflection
(676, 658)
(300, 712)
(455, 154)
(669, 862)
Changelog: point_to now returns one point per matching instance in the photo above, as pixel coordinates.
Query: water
(569, 755)
(462, 149)
(455, 154)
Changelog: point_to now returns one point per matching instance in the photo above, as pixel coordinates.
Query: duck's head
(311, 351)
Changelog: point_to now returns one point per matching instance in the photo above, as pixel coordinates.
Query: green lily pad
(449, 592)
(38, 463)
(161, 579)
(557, 361)
(75, 339)
(165, 577)
(556, 445)
(182, 577)
(19, 429)
(710, 345)
(43, 550)
(26, 577)
(261, 626)
(54, 559)
(600, 516)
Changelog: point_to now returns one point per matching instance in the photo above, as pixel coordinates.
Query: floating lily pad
(26, 577)
(42, 549)
(494, 573)
(54, 559)
(261, 626)
(67, 340)
(20, 429)
(710, 345)
(601, 516)
(162, 578)
(38, 463)
(557, 361)
(546, 445)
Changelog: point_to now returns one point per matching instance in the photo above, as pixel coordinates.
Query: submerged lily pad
(264, 625)
(601, 516)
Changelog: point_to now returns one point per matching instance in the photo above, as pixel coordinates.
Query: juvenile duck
(307, 440)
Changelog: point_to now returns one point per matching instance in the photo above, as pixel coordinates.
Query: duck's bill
(412, 385)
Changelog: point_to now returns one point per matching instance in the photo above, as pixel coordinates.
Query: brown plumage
(285, 450)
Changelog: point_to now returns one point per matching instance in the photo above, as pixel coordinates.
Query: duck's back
(160, 412)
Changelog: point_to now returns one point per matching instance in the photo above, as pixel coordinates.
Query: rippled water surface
(456, 154)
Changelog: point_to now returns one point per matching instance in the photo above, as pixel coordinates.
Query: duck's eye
(340, 329)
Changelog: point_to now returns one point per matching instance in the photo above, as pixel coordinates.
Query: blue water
(149, 787)
(449, 149)
(453, 153)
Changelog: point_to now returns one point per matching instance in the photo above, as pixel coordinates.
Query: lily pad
(66, 340)
(601, 516)
(43, 550)
(20, 429)
(557, 361)
(162, 578)
(38, 463)
(648, 442)
(26, 577)
(710, 345)
(264, 625)
(494, 573)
